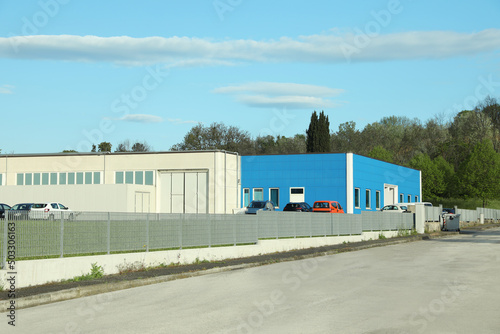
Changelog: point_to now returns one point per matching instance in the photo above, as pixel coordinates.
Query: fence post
(109, 234)
(147, 232)
(209, 230)
(234, 231)
(181, 220)
(4, 248)
(62, 235)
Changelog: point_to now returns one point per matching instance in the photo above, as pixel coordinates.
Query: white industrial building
(156, 182)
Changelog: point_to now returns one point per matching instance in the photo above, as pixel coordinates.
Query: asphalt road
(449, 285)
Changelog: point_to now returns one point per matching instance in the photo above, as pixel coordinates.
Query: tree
(104, 147)
(141, 147)
(69, 151)
(347, 138)
(124, 146)
(216, 136)
(318, 133)
(380, 153)
(480, 173)
(432, 180)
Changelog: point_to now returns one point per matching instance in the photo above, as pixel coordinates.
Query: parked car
(298, 207)
(20, 211)
(327, 206)
(255, 206)
(448, 211)
(49, 211)
(3, 208)
(395, 208)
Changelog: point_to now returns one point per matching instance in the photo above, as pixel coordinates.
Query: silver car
(255, 206)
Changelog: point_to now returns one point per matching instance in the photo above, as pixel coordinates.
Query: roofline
(62, 154)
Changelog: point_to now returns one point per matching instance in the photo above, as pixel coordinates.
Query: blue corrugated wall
(322, 175)
(324, 178)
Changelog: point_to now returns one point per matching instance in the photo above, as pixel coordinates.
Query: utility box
(451, 222)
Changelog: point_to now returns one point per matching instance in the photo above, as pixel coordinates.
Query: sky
(75, 73)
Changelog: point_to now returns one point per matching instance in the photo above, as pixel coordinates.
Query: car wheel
(71, 217)
(51, 217)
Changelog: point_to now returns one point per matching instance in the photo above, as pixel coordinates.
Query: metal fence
(89, 233)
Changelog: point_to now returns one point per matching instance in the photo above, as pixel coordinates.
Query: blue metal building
(358, 183)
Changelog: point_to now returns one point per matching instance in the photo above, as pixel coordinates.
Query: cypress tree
(318, 133)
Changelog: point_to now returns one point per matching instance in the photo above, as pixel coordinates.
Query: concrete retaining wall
(38, 272)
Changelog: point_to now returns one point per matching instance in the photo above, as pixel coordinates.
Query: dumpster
(451, 222)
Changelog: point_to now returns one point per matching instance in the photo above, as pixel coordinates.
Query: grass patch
(96, 272)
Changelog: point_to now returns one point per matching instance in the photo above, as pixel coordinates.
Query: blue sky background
(73, 73)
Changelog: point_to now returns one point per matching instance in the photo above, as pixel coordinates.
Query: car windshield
(257, 205)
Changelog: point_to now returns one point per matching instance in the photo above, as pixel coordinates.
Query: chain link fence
(91, 233)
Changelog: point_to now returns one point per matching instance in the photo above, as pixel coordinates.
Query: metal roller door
(183, 192)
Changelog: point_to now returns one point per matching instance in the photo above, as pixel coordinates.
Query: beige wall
(224, 173)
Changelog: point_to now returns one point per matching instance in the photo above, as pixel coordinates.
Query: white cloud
(190, 51)
(282, 95)
(6, 89)
(141, 118)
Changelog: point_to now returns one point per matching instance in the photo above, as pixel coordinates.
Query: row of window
(368, 199)
(54, 178)
(258, 195)
(135, 177)
(35, 179)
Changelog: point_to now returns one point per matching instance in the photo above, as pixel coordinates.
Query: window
(409, 199)
(368, 199)
(88, 177)
(296, 190)
(97, 177)
(377, 199)
(1, 179)
(36, 179)
(28, 179)
(416, 199)
(139, 177)
(71, 178)
(119, 177)
(357, 201)
(258, 194)
(149, 178)
(246, 197)
(62, 178)
(53, 178)
(401, 198)
(129, 177)
(79, 178)
(45, 179)
(20, 179)
(274, 196)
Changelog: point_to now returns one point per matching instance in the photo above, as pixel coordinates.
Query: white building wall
(222, 169)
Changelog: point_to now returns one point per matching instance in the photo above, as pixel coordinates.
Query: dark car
(449, 211)
(298, 207)
(20, 211)
(3, 208)
(255, 206)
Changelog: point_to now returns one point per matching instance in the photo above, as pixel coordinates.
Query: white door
(390, 194)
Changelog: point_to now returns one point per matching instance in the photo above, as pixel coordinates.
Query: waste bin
(451, 222)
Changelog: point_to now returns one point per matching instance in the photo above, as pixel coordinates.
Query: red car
(327, 206)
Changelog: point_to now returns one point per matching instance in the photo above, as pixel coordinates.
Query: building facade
(358, 183)
(158, 182)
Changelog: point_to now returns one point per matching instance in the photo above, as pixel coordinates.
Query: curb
(84, 291)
